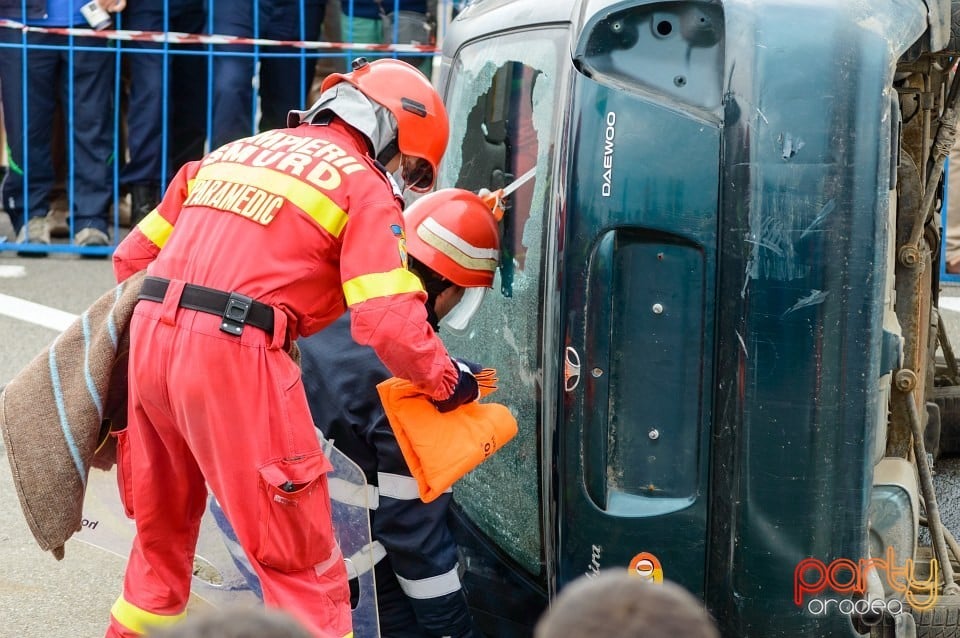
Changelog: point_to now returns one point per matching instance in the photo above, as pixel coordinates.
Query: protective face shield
(457, 320)
(453, 233)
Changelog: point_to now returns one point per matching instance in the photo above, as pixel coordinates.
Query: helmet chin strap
(434, 285)
(383, 158)
(432, 318)
(388, 152)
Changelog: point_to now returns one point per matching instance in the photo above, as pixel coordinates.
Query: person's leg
(30, 167)
(287, 535)
(362, 30)
(285, 82)
(158, 477)
(420, 549)
(329, 61)
(188, 79)
(410, 27)
(93, 120)
(233, 107)
(141, 175)
(395, 613)
(255, 442)
(11, 97)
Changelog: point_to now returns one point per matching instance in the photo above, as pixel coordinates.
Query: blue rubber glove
(467, 388)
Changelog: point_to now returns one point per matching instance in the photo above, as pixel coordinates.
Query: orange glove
(487, 381)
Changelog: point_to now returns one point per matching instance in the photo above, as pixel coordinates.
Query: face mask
(434, 287)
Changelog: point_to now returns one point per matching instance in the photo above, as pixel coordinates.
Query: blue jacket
(13, 9)
(418, 587)
(45, 13)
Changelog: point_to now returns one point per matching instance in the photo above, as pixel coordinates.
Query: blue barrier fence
(98, 121)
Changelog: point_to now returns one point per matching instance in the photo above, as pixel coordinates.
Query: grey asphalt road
(41, 597)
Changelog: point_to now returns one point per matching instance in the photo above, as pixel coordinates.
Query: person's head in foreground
(239, 622)
(615, 603)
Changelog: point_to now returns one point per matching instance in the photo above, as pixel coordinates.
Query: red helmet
(452, 232)
(422, 126)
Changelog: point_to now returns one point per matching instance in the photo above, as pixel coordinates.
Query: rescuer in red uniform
(266, 239)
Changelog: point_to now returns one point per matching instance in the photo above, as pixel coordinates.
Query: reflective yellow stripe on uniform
(141, 620)
(310, 200)
(381, 284)
(156, 228)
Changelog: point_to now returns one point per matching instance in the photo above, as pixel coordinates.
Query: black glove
(474, 368)
(467, 388)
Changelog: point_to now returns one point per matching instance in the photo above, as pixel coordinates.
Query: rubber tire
(954, 43)
(948, 399)
(931, 433)
(940, 621)
(903, 626)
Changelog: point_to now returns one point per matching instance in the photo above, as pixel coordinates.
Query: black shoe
(143, 199)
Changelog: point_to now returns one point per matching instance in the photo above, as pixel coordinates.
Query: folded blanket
(55, 415)
(441, 447)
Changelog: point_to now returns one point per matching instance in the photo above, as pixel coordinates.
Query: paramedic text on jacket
(453, 244)
(267, 239)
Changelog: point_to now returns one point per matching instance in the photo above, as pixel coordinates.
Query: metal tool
(495, 199)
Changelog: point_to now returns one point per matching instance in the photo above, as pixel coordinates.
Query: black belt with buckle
(235, 309)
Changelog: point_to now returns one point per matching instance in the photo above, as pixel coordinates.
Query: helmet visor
(459, 317)
(417, 174)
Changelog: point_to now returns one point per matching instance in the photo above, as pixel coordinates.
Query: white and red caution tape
(175, 37)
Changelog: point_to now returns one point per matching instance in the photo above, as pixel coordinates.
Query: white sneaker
(34, 232)
(91, 237)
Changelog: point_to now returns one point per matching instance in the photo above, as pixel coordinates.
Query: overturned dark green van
(715, 316)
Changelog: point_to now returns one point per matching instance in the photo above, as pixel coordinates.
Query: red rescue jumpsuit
(300, 219)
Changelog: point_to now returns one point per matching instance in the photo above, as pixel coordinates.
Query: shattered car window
(503, 106)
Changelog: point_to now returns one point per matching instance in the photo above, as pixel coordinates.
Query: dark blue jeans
(283, 81)
(88, 113)
(183, 97)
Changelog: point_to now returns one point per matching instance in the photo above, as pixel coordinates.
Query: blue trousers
(182, 134)
(88, 111)
(283, 81)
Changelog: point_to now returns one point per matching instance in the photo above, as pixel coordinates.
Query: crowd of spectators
(95, 126)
